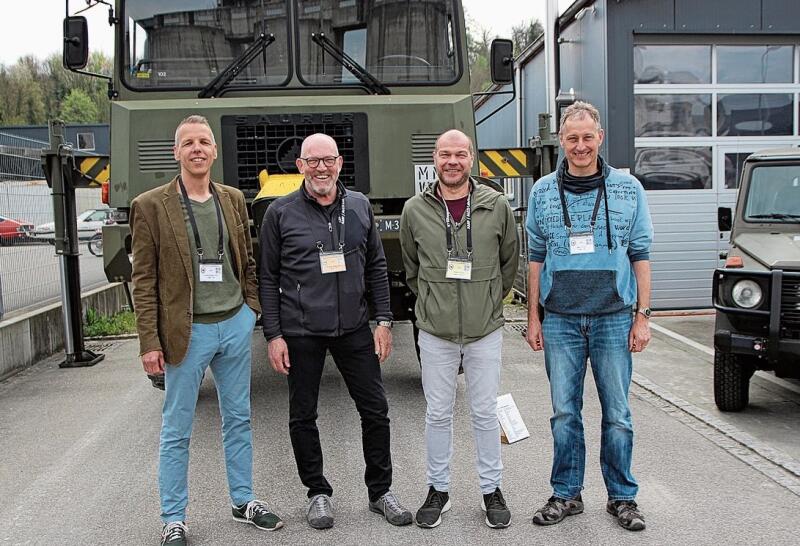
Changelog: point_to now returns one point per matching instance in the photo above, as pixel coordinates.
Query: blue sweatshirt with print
(601, 281)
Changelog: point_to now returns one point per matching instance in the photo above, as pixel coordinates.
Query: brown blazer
(162, 267)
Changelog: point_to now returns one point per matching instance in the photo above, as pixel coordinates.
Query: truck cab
(757, 293)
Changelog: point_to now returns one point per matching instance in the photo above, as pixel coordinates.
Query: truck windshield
(774, 194)
(185, 44)
(396, 41)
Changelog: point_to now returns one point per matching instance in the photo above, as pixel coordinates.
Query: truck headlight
(747, 294)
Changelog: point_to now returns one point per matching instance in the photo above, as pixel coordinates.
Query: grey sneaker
(174, 534)
(388, 506)
(320, 512)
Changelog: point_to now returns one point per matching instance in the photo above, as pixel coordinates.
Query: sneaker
(430, 513)
(320, 512)
(257, 513)
(627, 513)
(557, 509)
(497, 513)
(174, 534)
(390, 508)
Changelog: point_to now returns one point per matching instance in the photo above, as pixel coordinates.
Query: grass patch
(98, 325)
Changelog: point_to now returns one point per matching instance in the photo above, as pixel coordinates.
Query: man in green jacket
(460, 252)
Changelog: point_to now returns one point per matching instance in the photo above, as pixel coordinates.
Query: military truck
(383, 77)
(757, 293)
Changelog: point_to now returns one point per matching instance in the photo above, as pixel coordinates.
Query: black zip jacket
(296, 298)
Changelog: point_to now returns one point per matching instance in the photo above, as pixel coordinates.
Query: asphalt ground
(80, 448)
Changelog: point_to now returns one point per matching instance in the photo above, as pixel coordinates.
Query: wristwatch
(387, 323)
(646, 311)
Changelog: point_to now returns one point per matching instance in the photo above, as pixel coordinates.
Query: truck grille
(790, 306)
(272, 142)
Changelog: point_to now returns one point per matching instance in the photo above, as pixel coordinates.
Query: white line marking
(710, 351)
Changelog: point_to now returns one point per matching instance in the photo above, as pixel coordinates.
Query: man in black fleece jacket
(320, 253)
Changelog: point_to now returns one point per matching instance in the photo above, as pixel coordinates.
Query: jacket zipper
(300, 304)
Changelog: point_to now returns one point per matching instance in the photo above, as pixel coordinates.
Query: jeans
(481, 360)
(354, 355)
(225, 347)
(568, 341)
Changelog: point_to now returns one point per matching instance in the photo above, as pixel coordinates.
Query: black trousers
(354, 355)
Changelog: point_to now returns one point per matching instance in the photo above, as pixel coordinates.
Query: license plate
(388, 224)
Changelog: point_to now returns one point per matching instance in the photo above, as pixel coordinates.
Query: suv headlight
(747, 294)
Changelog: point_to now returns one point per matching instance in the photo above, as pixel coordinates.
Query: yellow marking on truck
(95, 169)
(277, 185)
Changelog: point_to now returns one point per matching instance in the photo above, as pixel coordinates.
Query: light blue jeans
(568, 341)
(225, 347)
(481, 360)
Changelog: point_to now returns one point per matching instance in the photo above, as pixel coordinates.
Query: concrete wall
(28, 338)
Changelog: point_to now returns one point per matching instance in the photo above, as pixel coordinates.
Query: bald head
(454, 137)
(319, 142)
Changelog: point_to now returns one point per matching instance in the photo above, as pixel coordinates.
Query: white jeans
(481, 361)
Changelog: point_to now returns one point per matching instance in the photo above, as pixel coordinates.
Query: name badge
(332, 262)
(459, 268)
(210, 272)
(581, 243)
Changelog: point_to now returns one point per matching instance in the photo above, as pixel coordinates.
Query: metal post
(59, 164)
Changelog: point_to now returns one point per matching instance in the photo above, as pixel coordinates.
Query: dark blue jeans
(568, 341)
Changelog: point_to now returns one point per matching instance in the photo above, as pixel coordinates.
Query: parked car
(89, 221)
(13, 231)
(757, 293)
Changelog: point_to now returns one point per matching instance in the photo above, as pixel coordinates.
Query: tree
(78, 107)
(479, 41)
(525, 34)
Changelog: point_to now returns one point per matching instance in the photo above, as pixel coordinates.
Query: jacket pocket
(584, 292)
(480, 301)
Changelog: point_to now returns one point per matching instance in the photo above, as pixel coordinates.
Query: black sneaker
(627, 513)
(556, 509)
(497, 513)
(257, 513)
(430, 513)
(174, 534)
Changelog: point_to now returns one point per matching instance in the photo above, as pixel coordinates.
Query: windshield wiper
(371, 82)
(247, 56)
(775, 216)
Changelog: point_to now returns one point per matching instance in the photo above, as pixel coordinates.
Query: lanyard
(567, 222)
(193, 222)
(467, 220)
(341, 228)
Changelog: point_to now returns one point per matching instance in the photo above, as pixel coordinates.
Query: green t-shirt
(213, 301)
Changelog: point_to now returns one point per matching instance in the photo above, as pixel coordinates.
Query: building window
(749, 114)
(705, 107)
(86, 141)
(672, 64)
(672, 115)
(674, 168)
(754, 64)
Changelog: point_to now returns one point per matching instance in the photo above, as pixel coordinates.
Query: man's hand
(279, 356)
(534, 337)
(639, 336)
(383, 342)
(153, 362)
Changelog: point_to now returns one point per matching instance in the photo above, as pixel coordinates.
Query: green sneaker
(257, 513)
(174, 534)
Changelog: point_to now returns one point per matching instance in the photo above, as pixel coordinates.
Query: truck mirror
(76, 42)
(724, 218)
(502, 61)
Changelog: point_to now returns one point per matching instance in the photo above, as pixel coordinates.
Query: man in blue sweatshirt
(589, 235)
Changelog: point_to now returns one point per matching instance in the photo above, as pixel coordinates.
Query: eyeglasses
(313, 162)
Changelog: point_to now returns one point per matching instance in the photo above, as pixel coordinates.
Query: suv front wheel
(732, 375)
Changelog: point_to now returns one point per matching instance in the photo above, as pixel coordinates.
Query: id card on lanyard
(459, 267)
(333, 261)
(208, 270)
(581, 242)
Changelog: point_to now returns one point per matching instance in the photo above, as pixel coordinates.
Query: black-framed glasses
(313, 162)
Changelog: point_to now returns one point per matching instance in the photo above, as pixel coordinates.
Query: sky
(34, 27)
